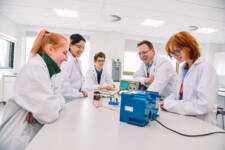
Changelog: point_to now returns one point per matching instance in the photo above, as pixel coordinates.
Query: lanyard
(149, 65)
(185, 70)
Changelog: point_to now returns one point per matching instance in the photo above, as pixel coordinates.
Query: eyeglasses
(143, 53)
(174, 53)
(79, 46)
(100, 61)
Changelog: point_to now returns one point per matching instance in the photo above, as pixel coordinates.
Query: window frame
(12, 51)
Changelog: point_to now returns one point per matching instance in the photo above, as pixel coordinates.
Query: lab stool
(220, 111)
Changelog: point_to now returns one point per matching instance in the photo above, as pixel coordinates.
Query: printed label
(128, 108)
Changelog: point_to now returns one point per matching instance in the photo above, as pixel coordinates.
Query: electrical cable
(188, 135)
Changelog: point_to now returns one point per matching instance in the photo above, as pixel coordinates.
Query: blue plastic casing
(138, 107)
(113, 103)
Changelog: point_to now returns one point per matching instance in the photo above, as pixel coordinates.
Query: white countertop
(82, 126)
(221, 89)
(221, 93)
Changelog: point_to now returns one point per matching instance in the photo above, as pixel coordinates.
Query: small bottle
(97, 95)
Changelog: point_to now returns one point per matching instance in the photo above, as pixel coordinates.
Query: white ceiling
(178, 14)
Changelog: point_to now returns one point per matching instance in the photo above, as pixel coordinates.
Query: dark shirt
(148, 66)
(99, 74)
(185, 70)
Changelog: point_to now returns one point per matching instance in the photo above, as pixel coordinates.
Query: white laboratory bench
(221, 97)
(221, 92)
(82, 126)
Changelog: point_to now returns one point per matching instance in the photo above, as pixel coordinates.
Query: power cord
(188, 135)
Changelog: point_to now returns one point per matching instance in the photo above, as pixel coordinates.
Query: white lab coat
(164, 76)
(72, 79)
(199, 93)
(34, 92)
(91, 81)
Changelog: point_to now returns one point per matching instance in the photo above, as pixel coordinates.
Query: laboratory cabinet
(8, 86)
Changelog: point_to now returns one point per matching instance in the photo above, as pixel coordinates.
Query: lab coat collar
(71, 57)
(197, 62)
(150, 63)
(53, 68)
(97, 70)
(95, 73)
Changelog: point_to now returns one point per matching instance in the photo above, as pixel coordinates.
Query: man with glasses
(72, 79)
(98, 78)
(155, 73)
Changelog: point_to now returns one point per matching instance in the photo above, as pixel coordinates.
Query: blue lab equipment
(114, 103)
(139, 106)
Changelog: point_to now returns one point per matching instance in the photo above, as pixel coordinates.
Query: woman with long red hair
(37, 99)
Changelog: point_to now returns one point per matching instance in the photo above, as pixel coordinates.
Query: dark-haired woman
(72, 79)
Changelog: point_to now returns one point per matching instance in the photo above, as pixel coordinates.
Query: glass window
(172, 60)
(131, 61)
(7, 53)
(85, 58)
(219, 63)
(29, 44)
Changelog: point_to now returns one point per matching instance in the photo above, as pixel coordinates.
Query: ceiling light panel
(152, 22)
(66, 13)
(206, 30)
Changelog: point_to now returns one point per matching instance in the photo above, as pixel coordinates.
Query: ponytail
(38, 42)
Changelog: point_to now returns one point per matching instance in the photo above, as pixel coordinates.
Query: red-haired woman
(37, 99)
(196, 88)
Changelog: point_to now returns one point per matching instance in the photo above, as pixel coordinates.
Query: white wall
(16, 31)
(209, 51)
(219, 48)
(11, 29)
(7, 26)
(112, 43)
